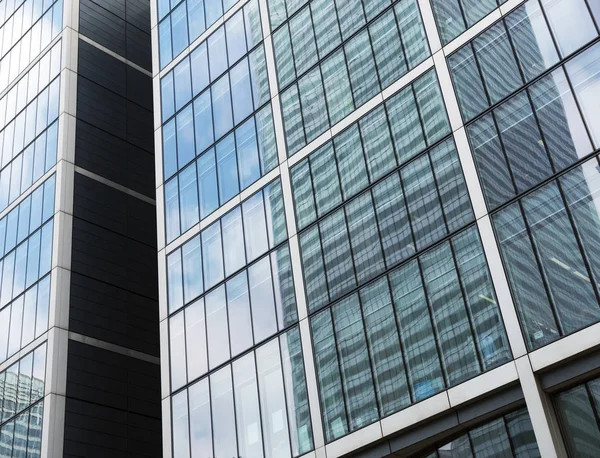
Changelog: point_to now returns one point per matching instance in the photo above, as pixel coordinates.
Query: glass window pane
(327, 31)
(236, 37)
(522, 142)
(247, 148)
(377, 143)
(183, 83)
(412, 31)
(357, 380)
(313, 102)
(217, 51)
(564, 131)
(221, 100)
(351, 162)
(451, 185)
(297, 397)
(361, 66)
(350, 16)
(387, 48)
(313, 268)
(416, 332)
(238, 308)
(227, 168)
(565, 17)
(521, 434)
(491, 439)
(172, 210)
(165, 50)
(303, 41)
(181, 432)
(167, 96)
(364, 237)
(584, 72)
(492, 166)
(261, 92)
(328, 374)
(283, 285)
(303, 194)
(284, 59)
(405, 123)
(468, 82)
(267, 146)
(264, 319)
(192, 269)
(272, 400)
(186, 150)
(337, 87)
(203, 122)
(525, 279)
(241, 92)
(292, 120)
(394, 228)
(532, 40)
(174, 280)
(207, 183)
(223, 411)
(481, 300)
(212, 255)
(177, 351)
(217, 328)
(582, 434)
(188, 195)
(326, 182)
(179, 33)
(498, 64)
(169, 149)
(200, 78)
(384, 345)
(255, 231)
(247, 411)
(459, 356)
(337, 254)
(195, 336)
(449, 19)
(561, 260)
(233, 241)
(275, 213)
(200, 423)
(196, 22)
(423, 203)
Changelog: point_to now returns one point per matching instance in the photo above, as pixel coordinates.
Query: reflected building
(377, 227)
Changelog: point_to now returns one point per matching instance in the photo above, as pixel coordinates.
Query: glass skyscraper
(378, 227)
(79, 350)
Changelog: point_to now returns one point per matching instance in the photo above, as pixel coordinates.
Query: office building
(378, 227)
(79, 366)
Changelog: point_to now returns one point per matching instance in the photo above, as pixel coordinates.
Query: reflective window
(579, 414)
(530, 137)
(401, 215)
(548, 242)
(369, 62)
(232, 242)
(259, 402)
(516, 50)
(429, 325)
(453, 17)
(510, 435)
(244, 311)
(21, 397)
(190, 18)
(19, 47)
(219, 173)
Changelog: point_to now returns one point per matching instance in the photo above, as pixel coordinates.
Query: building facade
(378, 227)
(79, 353)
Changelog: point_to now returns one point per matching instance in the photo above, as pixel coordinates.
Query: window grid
(556, 327)
(292, 95)
(578, 410)
(210, 172)
(417, 391)
(509, 435)
(284, 310)
(172, 153)
(168, 51)
(490, 102)
(404, 222)
(276, 234)
(562, 155)
(182, 444)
